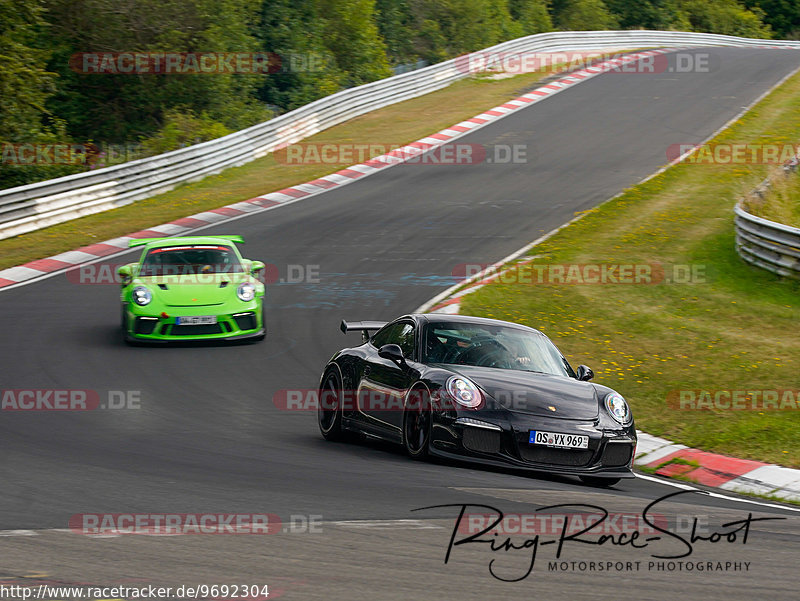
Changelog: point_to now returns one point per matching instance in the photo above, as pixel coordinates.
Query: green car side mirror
(256, 266)
(125, 274)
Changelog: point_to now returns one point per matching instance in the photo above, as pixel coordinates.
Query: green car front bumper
(242, 322)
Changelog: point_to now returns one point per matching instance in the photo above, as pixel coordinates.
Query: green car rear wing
(144, 241)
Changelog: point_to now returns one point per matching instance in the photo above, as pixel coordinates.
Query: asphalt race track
(208, 438)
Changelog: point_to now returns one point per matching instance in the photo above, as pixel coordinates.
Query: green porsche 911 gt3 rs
(191, 288)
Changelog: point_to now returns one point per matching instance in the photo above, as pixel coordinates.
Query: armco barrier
(34, 206)
(766, 244)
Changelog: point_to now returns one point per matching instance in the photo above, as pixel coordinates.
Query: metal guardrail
(767, 244)
(34, 206)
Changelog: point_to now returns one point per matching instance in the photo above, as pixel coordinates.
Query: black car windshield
(190, 260)
(502, 347)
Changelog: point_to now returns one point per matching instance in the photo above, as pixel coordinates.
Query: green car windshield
(190, 260)
(501, 347)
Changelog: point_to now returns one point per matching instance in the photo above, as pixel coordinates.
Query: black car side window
(385, 335)
(405, 338)
(401, 334)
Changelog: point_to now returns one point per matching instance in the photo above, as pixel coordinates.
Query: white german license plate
(554, 439)
(196, 320)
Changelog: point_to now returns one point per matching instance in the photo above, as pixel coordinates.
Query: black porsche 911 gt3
(476, 389)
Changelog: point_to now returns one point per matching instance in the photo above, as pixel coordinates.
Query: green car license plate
(196, 320)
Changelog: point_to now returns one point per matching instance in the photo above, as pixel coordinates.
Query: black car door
(384, 383)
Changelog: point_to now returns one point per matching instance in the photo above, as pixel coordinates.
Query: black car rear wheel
(329, 412)
(417, 424)
(599, 482)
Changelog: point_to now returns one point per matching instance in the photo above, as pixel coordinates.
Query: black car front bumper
(504, 441)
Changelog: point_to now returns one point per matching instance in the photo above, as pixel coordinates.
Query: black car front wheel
(329, 412)
(417, 424)
(600, 482)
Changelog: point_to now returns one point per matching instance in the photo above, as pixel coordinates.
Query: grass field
(782, 201)
(395, 125)
(713, 323)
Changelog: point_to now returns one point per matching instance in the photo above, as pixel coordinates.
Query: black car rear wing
(365, 326)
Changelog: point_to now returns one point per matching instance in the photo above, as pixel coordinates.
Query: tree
(124, 107)
(25, 86)
(292, 31)
(351, 35)
(648, 14)
(783, 16)
(585, 15)
(396, 27)
(726, 17)
(532, 15)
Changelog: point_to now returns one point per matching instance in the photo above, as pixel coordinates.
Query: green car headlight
(618, 407)
(141, 296)
(246, 292)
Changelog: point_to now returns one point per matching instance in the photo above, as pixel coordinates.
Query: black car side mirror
(393, 352)
(585, 373)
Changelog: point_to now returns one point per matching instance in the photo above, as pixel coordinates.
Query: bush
(183, 128)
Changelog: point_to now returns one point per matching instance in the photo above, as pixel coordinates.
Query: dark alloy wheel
(417, 424)
(329, 412)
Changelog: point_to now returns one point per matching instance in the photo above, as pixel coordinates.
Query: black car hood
(534, 393)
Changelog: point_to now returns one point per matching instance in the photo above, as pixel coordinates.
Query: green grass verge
(398, 124)
(782, 201)
(734, 328)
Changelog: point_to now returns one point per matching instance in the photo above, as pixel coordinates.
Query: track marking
(400, 524)
(716, 495)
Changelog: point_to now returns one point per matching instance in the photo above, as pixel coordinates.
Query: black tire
(124, 327)
(329, 412)
(261, 337)
(600, 482)
(417, 419)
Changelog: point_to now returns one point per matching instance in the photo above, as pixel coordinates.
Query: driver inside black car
(481, 350)
(436, 351)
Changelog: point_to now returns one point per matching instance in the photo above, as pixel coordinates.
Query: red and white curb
(662, 457)
(41, 268)
(718, 471)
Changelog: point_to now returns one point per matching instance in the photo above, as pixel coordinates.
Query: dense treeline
(314, 47)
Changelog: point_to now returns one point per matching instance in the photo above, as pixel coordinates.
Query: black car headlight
(246, 292)
(618, 408)
(464, 392)
(141, 296)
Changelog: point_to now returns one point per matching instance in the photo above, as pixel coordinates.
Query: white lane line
(401, 524)
(716, 495)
